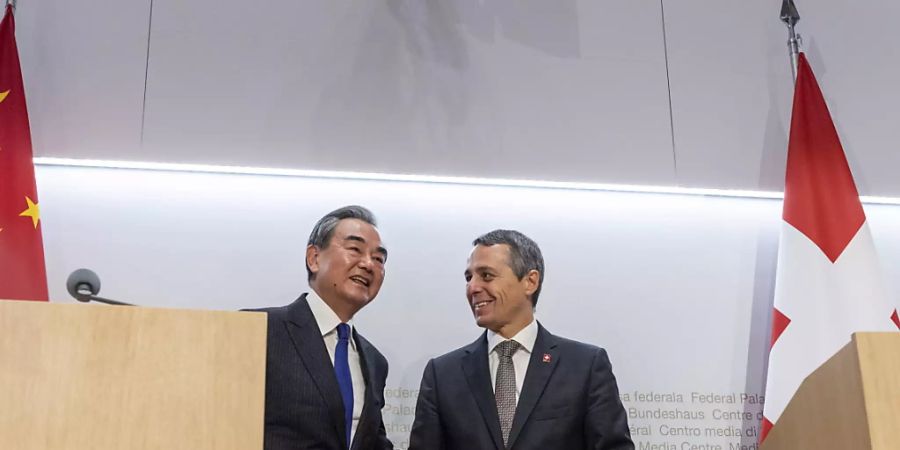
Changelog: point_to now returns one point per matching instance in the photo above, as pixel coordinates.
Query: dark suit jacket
(569, 401)
(304, 409)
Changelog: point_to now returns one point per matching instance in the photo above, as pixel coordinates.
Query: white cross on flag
(828, 283)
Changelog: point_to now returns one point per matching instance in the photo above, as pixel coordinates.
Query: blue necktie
(342, 371)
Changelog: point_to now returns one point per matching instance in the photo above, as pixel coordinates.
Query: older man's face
(350, 269)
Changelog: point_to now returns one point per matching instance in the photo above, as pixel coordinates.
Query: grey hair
(321, 234)
(524, 254)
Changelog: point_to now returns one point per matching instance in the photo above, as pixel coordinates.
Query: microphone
(84, 285)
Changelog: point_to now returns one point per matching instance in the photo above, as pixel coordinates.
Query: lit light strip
(330, 174)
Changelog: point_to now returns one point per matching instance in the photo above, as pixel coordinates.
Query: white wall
(677, 288)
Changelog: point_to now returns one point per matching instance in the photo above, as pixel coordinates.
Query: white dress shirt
(328, 322)
(525, 338)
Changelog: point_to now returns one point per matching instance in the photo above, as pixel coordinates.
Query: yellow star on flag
(33, 211)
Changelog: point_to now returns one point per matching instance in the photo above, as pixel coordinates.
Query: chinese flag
(22, 272)
(828, 284)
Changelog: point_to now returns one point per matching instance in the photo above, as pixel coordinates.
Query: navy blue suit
(304, 409)
(569, 401)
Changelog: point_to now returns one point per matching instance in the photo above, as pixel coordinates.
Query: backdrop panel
(677, 288)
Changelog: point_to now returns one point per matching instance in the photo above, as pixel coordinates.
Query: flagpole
(790, 17)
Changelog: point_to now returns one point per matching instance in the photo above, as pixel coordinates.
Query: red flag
(828, 283)
(22, 272)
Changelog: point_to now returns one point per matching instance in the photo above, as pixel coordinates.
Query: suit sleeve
(606, 424)
(426, 432)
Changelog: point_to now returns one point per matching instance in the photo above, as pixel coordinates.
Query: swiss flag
(828, 283)
(22, 272)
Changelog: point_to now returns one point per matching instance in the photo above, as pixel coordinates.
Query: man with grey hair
(324, 381)
(517, 387)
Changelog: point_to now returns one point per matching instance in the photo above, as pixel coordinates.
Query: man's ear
(312, 258)
(531, 280)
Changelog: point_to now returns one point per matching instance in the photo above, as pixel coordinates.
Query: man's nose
(366, 262)
(473, 286)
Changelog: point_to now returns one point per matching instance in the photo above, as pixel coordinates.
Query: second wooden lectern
(851, 402)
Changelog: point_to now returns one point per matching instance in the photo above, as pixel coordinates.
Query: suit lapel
(478, 376)
(539, 371)
(369, 370)
(307, 339)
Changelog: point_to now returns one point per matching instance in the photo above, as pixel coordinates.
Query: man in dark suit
(517, 387)
(324, 381)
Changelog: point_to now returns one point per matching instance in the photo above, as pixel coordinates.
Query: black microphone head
(82, 284)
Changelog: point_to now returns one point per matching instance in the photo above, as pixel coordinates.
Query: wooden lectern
(81, 377)
(851, 402)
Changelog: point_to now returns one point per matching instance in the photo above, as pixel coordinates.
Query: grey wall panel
(84, 63)
(565, 90)
(852, 48)
(511, 89)
(732, 91)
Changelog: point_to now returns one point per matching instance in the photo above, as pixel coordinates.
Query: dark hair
(524, 254)
(321, 234)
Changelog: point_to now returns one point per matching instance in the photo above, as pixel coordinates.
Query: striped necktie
(505, 389)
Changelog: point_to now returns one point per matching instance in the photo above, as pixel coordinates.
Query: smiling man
(324, 381)
(517, 387)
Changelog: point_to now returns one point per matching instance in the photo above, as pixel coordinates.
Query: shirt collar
(325, 317)
(525, 337)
